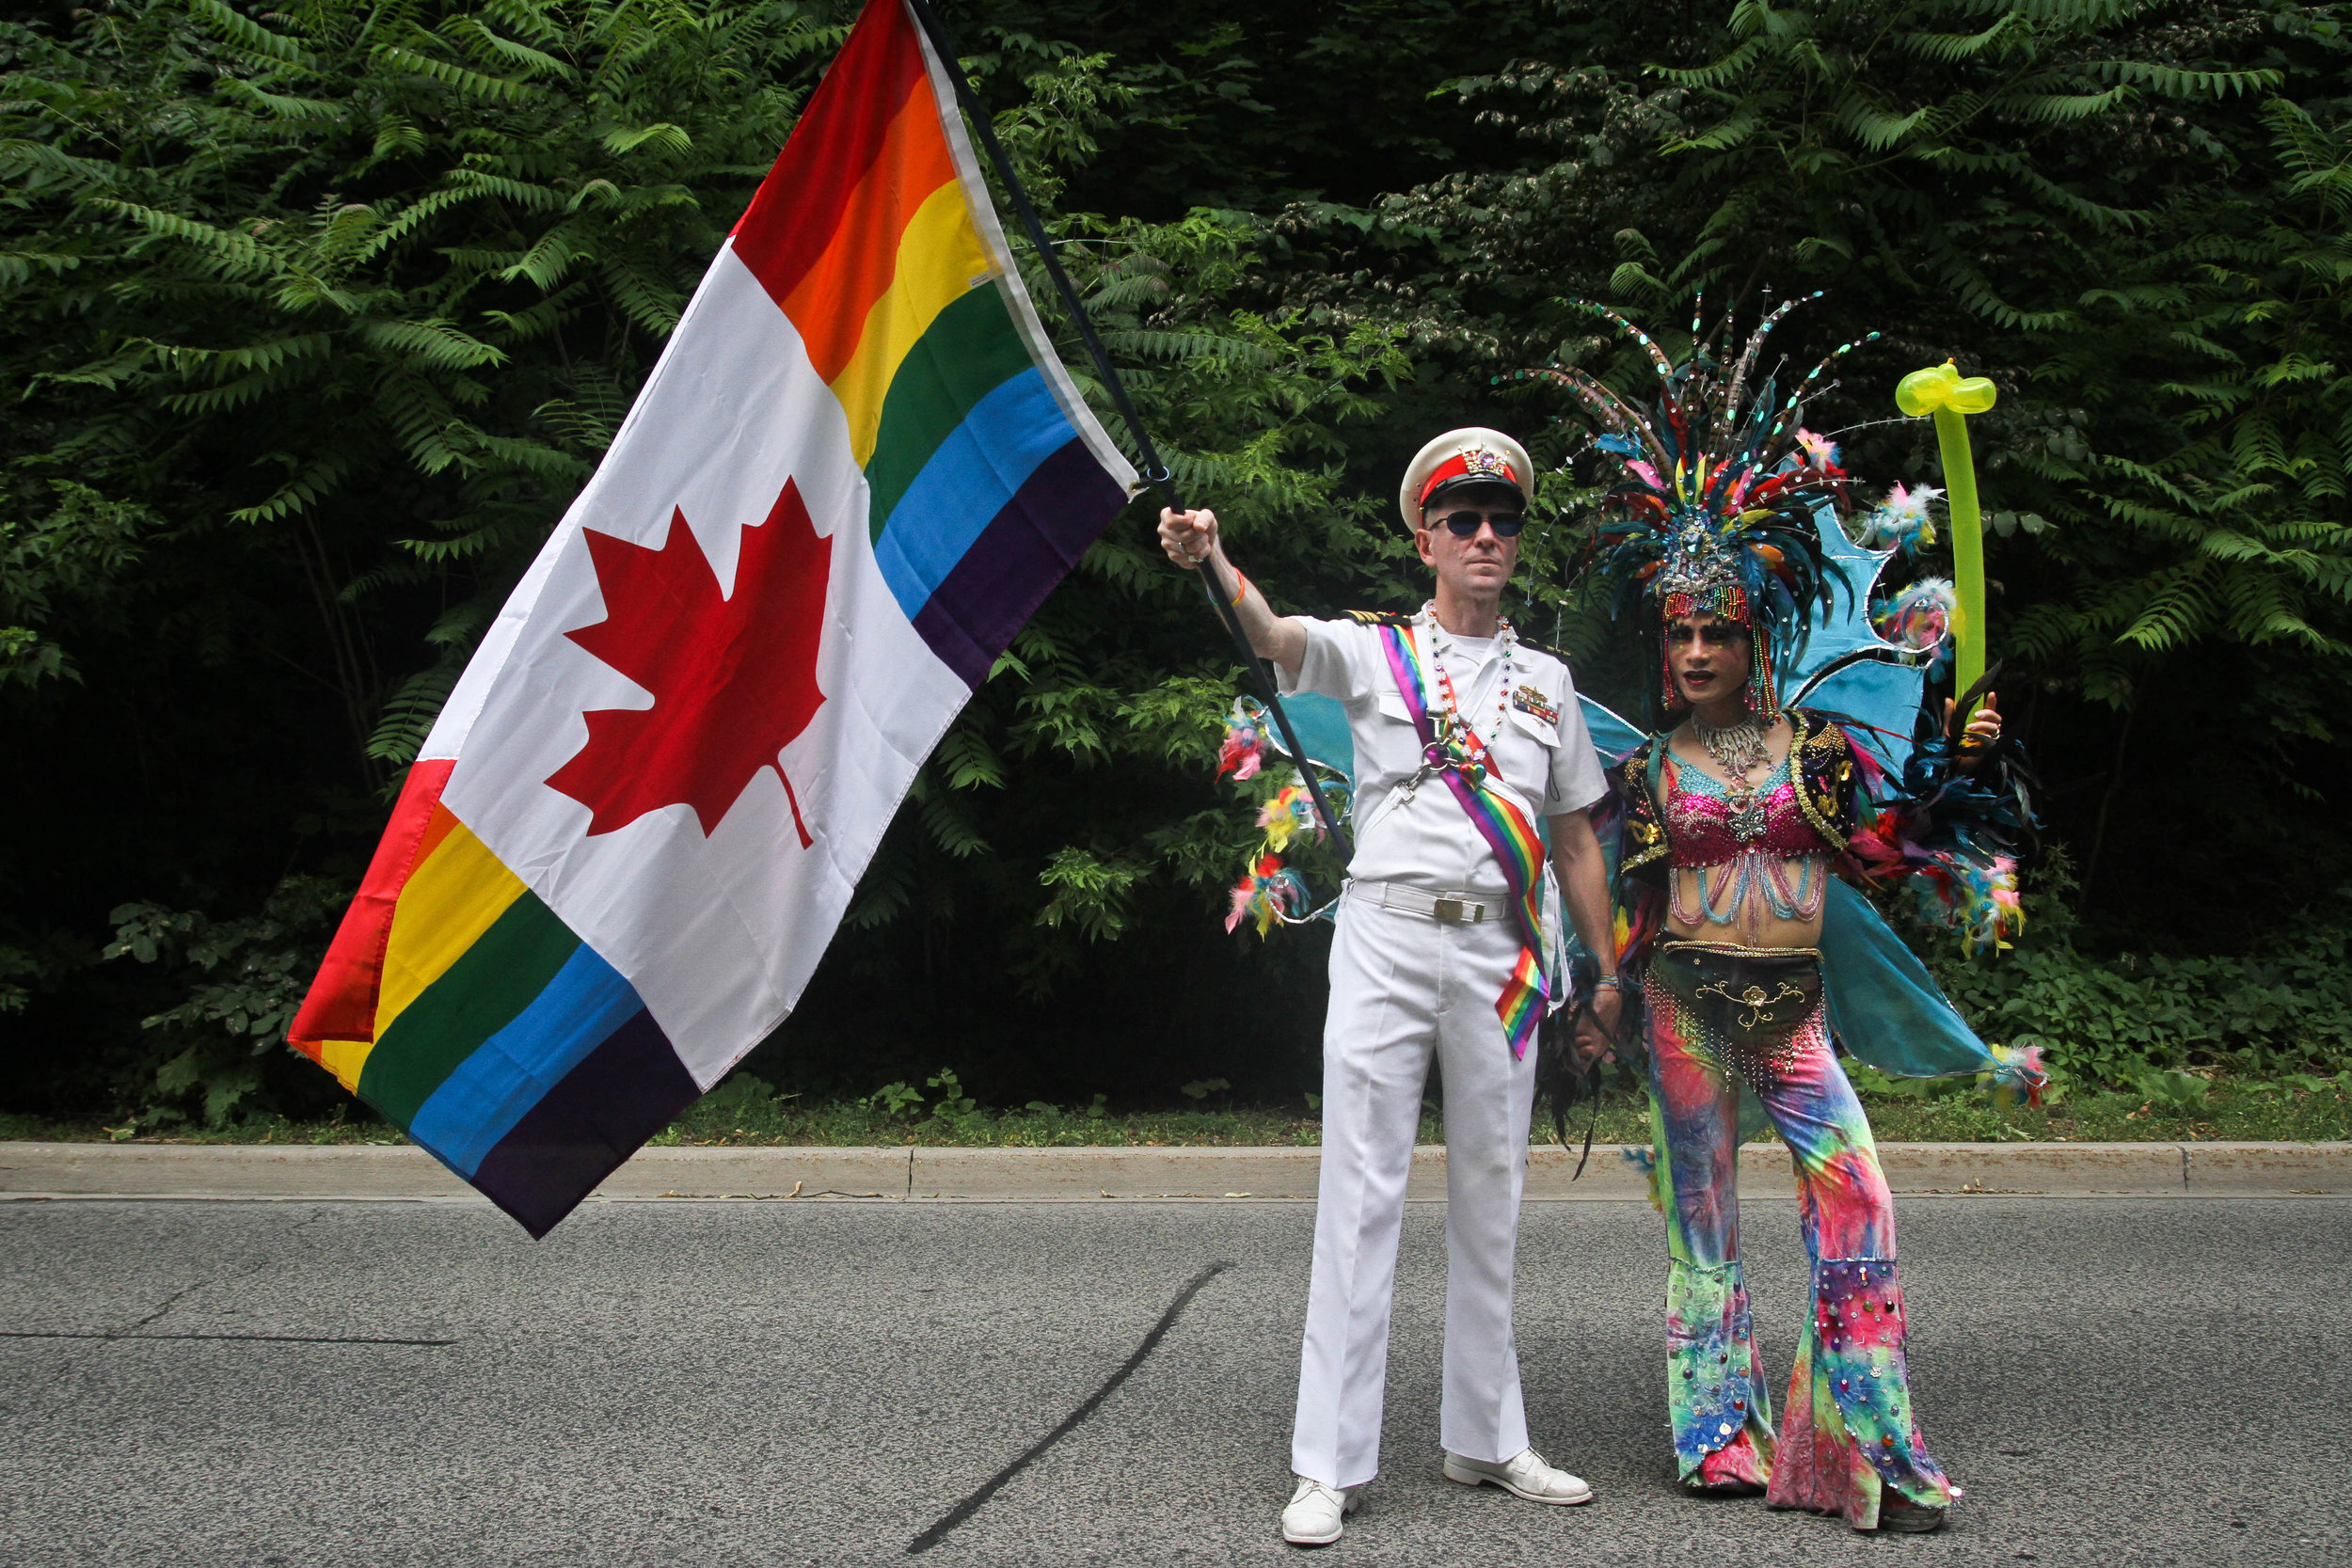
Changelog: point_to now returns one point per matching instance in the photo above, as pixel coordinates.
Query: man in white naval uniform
(1426, 940)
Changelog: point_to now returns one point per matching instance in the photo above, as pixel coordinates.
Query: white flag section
(644, 809)
(717, 932)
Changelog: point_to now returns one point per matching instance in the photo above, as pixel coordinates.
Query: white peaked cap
(1474, 453)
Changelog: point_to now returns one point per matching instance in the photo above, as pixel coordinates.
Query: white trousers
(1403, 986)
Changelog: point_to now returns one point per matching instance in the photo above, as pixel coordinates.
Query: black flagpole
(1155, 472)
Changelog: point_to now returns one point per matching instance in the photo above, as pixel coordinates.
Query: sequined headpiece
(1716, 514)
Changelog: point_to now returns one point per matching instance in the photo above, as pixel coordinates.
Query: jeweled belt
(1751, 997)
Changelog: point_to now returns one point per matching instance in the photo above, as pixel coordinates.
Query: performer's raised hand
(1187, 536)
(1977, 741)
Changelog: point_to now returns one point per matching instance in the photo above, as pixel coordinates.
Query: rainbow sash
(1466, 772)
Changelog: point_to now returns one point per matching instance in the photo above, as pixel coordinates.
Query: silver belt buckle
(1448, 909)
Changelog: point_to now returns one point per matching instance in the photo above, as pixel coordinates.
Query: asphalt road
(2117, 1381)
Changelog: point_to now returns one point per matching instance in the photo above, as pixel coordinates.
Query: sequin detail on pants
(1856, 1434)
(1712, 1390)
(1849, 1390)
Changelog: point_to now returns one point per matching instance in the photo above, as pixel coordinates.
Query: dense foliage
(318, 316)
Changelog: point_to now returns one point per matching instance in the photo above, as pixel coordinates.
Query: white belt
(1450, 908)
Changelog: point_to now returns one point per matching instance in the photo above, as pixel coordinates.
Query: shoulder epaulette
(1560, 654)
(1825, 781)
(1826, 734)
(1379, 617)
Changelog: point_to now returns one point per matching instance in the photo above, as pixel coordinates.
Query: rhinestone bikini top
(1702, 828)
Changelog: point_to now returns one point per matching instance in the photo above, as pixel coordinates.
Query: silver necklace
(1739, 749)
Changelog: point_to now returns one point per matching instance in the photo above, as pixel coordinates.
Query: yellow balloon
(1940, 387)
(1923, 391)
(1941, 391)
(1973, 395)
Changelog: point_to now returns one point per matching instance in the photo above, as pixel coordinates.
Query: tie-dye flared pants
(1849, 1432)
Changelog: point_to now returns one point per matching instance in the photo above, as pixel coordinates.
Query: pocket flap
(1546, 734)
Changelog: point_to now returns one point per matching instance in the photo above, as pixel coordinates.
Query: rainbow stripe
(1518, 849)
(987, 480)
(457, 1005)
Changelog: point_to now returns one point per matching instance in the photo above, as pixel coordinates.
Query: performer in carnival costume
(1463, 738)
(1723, 544)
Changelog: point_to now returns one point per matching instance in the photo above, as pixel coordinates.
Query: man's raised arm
(1189, 538)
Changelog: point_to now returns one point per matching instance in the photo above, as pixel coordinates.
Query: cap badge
(1488, 465)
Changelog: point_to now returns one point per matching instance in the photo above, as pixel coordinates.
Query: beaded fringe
(1725, 601)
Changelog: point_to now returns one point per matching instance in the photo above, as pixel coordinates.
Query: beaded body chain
(1754, 879)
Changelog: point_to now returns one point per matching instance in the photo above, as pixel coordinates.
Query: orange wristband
(1241, 588)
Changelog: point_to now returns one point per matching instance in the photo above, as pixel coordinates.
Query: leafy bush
(2130, 1019)
(245, 979)
(318, 314)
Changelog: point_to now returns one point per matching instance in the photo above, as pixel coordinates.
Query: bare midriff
(1767, 930)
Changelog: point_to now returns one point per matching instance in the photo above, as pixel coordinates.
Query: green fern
(409, 715)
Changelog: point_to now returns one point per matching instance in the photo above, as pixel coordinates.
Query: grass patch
(2302, 1109)
(745, 1112)
(249, 1130)
(2171, 1107)
(1037, 1126)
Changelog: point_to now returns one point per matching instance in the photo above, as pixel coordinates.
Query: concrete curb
(403, 1172)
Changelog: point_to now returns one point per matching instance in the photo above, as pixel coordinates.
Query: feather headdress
(1716, 512)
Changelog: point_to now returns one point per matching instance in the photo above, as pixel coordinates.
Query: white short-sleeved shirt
(1542, 751)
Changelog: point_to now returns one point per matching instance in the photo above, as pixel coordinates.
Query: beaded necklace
(1452, 721)
(1739, 749)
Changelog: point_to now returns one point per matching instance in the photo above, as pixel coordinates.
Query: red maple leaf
(734, 678)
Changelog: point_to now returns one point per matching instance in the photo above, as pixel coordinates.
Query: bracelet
(1613, 982)
(1241, 589)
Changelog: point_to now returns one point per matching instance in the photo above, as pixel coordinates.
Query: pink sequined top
(1699, 827)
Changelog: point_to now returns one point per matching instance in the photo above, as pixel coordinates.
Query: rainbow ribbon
(1506, 829)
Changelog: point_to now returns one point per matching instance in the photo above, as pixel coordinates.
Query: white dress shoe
(1526, 1476)
(1317, 1513)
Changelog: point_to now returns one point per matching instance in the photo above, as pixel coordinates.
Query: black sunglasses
(1465, 524)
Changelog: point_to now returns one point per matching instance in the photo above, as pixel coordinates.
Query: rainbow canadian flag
(856, 471)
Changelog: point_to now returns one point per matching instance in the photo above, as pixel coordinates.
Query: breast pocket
(1527, 754)
(1544, 734)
